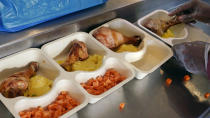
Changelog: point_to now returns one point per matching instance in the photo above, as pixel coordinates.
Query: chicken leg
(113, 39)
(16, 84)
(160, 26)
(78, 52)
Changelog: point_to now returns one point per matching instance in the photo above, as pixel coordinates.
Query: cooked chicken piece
(113, 39)
(16, 84)
(160, 26)
(78, 52)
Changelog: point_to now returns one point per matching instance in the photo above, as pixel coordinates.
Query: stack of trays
(129, 64)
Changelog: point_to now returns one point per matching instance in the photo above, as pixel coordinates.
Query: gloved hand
(193, 10)
(193, 56)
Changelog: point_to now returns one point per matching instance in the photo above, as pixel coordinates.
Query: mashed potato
(127, 47)
(38, 86)
(91, 64)
(168, 34)
(60, 62)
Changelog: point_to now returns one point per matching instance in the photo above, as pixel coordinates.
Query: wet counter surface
(146, 98)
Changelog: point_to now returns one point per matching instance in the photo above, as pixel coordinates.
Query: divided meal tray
(180, 31)
(153, 54)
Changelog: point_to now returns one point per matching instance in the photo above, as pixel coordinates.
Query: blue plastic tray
(16, 15)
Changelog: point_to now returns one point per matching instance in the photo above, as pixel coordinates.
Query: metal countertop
(146, 98)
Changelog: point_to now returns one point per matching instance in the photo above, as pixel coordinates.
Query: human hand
(193, 10)
(192, 55)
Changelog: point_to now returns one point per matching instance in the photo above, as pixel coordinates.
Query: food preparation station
(145, 98)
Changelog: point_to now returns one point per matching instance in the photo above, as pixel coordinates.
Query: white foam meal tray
(139, 64)
(47, 69)
(180, 31)
(62, 46)
(153, 54)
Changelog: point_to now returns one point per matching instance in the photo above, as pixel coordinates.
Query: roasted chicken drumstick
(160, 26)
(113, 39)
(16, 84)
(78, 52)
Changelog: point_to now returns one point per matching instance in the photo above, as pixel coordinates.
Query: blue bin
(16, 15)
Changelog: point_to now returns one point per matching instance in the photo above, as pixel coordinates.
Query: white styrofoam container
(126, 28)
(180, 31)
(61, 85)
(154, 54)
(55, 48)
(16, 62)
(60, 48)
(157, 53)
(122, 67)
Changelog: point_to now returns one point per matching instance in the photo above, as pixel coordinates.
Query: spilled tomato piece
(122, 106)
(207, 95)
(168, 82)
(186, 78)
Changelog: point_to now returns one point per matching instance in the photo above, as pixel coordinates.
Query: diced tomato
(207, 95)
(186, 78)
(122, 106)
(62, 104)
(103, 83)
(168, 82)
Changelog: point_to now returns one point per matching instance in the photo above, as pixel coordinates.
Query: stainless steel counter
(147, 98)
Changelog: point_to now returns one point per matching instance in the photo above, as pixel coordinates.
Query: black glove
(193, 56)
(193, 10)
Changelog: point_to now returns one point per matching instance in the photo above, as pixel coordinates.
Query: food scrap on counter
(186, 78)
(78, 59)
(17, 84)
(62, 104)
(207, 95)
(113, 39)
(103, 83)
(122, 106)
(38, 85)
(168, 82)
